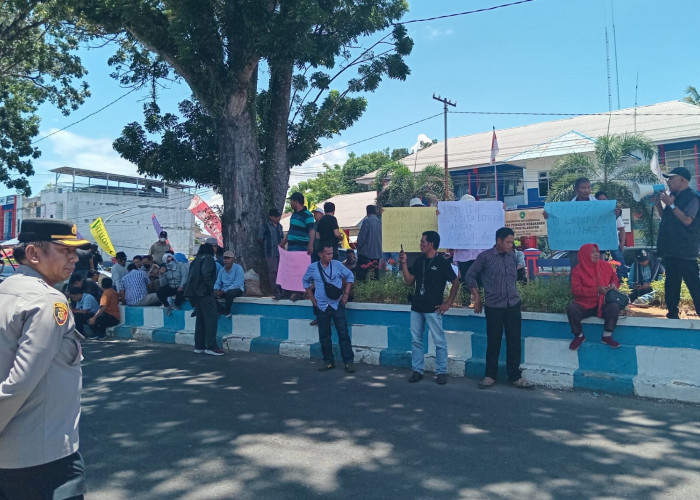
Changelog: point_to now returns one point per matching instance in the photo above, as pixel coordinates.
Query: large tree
(37, 64)
(250, 132)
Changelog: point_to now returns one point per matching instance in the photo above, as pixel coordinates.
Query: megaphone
(640, 191)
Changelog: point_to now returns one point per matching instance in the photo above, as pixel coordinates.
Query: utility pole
(446, 102)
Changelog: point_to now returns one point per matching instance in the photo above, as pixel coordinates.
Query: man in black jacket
(645, 269)
(679, 239)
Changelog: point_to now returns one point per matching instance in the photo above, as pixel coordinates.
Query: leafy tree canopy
(692, 96)
(396, 185)
(37, 65)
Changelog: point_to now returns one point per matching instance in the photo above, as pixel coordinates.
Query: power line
(528, 113)
(462, 13)
(87, 116)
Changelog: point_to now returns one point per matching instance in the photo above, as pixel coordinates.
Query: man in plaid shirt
(134, 288)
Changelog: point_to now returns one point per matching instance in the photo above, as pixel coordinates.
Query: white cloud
(314, 166)
(71, 150)
(437, 33)
(420, 138)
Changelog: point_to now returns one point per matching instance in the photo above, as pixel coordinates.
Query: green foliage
(397, 185)
(551, 295)
(37, 65)
(390, 288)
(341, 179)
(692, 96)
(686, 299)
(611, 169)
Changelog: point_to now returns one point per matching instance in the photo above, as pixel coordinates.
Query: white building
(126, 205)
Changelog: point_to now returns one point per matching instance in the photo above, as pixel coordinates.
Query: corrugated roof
(666, 122)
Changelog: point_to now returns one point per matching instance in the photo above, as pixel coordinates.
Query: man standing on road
(200, 291)
(679, 239)
(369, 243)
(498, 271)
(430, 273)
(332, 281)
(40, 374)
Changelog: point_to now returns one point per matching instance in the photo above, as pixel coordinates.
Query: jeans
(576, 313)
(324, 333)
(677, 270)
(272, 265)
(168, 291)
(434, 320)
(498, 319)
(229, 295)
(103, 322)
(206, 322)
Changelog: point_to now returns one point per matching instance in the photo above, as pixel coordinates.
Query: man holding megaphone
(679, 238)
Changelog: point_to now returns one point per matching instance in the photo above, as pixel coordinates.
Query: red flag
(494, 146)
(211, 221)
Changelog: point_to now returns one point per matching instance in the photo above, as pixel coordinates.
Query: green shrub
(658, 287)
(388, 289)
(551, 294)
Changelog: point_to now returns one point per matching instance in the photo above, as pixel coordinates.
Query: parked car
(557, 263)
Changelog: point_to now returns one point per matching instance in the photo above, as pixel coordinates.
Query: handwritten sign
(405, 226)
(571, 224)
(291, 270)
(527, 222)
(469, 225)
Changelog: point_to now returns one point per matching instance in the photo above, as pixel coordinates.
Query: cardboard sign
(405, 226)
(291, 270)
(469, 225)
(572, 224)
(527, 222)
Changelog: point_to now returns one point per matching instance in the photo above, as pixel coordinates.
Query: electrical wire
(461, 13)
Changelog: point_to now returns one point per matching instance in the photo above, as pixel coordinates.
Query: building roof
(108, 176)
(662, 123)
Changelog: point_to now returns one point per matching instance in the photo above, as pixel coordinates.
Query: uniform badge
(60, 313)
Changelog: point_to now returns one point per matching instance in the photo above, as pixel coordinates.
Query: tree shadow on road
(161, 422)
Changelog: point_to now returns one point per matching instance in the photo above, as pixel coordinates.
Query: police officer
(40, 374)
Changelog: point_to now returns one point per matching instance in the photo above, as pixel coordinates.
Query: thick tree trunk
(241, 182)
(276, 166)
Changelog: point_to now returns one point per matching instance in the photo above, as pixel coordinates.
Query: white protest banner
(470, 225)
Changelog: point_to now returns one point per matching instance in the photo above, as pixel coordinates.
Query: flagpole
(494, 147)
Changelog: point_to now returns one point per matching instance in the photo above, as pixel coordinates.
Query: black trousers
(168, 291)
(103, 322)
(576, 313)
(677, 270)
(636, 293)
(499, 319)
(81, 320)
(324, 333)
(62, 479)
(206, 322)
(229, 295)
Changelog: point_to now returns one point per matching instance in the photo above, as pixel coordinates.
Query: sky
(543, 56)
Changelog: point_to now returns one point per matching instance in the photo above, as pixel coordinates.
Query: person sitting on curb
(108, 314)
(85, 306)
(645, 270)
(330, 277)
(173, 279)
(230, 283)
(591, 280)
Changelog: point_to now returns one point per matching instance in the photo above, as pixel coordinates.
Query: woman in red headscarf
(591, 279)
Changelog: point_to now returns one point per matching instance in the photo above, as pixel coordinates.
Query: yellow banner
(99, 232)
(345, 243)
(405, 226)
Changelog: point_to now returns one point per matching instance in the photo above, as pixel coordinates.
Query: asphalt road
(160, 422)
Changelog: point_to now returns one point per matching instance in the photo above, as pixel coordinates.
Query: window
(509, 187)
(483, 189)
(543, 178)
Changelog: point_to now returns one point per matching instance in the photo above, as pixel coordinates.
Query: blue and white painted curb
(659, 358)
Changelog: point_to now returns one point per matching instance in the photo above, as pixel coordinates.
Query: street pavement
(160, 422)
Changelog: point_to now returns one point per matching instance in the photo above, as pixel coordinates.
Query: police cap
(61, 232)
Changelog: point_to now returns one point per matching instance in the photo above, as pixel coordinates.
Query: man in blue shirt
(230, 283)
(84, 307)
(331, 273)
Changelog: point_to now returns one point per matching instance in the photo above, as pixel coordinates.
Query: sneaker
(610, 341)
(214, 352)
(199, 351)
(326, 367)
(349, 367)
(101, 337)
(576, 343)
(415, 377)
(521, 383)
(168, 311)
(441, 378)
(314, 322)
(672, 316)
(486, 383)
(227, 315)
